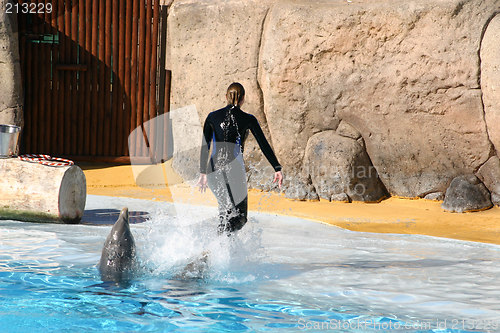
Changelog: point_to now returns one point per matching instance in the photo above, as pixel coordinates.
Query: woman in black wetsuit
(225, 130)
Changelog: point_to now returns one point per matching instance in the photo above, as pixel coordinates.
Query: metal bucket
(9, 135)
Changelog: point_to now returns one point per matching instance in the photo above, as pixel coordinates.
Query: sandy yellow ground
(395, 215)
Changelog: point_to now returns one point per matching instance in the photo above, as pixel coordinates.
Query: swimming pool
(279, 274)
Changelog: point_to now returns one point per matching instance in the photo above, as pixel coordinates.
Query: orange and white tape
(46, 160)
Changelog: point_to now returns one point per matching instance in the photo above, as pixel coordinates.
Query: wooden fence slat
(162, 143)
(102, 75)
(28, 93)
(88, 76)
(31, 77)
(153, 112)
(30, 90)
(81, 77)
(47, 111)
(67, 79)
(133, 78)
(40, 68)
(54, 84)
(41, 123)
(107, 79)
(70, 114)
(147, 62)
(141, 70)
(115, 115)
(60, 78)
(24, 74)
(127, 93)
(36, 94)
(95, 76)
(76, 111)
(121, 74)
(147, 77)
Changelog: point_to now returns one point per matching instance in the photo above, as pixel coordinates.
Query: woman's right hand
(278, 177)
(202, 182)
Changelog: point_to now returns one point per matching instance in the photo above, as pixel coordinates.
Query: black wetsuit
(225, 130)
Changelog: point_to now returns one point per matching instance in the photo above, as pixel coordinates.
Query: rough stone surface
(212, 44)
(341, 197)
(466, 194)
(495, 198)
(298, 189)
(10, 72)
(187, 136)
(404, 74)
(260, 174)
(346, 129)
(489, 173)
(437, 196)
(361, 142)
(337, 165)
(490, 79)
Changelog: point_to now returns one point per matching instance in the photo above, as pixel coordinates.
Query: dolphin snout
(124, 213)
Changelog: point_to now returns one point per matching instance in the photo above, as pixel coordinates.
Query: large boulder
(490, 79)
(340, 169)
(405, 74)
(466, 194)
(489, 173)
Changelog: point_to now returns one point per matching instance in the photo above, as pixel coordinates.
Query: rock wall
(407, 78)
(211, 44)
(10, 71)
(490, 79)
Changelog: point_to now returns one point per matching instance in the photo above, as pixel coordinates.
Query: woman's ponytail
(235, 94)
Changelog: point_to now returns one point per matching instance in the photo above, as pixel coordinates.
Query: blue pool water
(279, 274)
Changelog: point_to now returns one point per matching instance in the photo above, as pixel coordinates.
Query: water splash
(184, 246)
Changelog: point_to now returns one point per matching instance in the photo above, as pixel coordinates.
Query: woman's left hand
(203, 183)
(278, 176)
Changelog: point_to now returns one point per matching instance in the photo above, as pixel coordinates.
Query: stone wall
(10, 71)
(414, 82)
(212, 44)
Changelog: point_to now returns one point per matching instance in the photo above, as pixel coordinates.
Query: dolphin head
(118, 253)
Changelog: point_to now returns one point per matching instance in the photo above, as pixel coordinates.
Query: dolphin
(118, 254)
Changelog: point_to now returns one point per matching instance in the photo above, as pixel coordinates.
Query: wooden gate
(93, 72)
